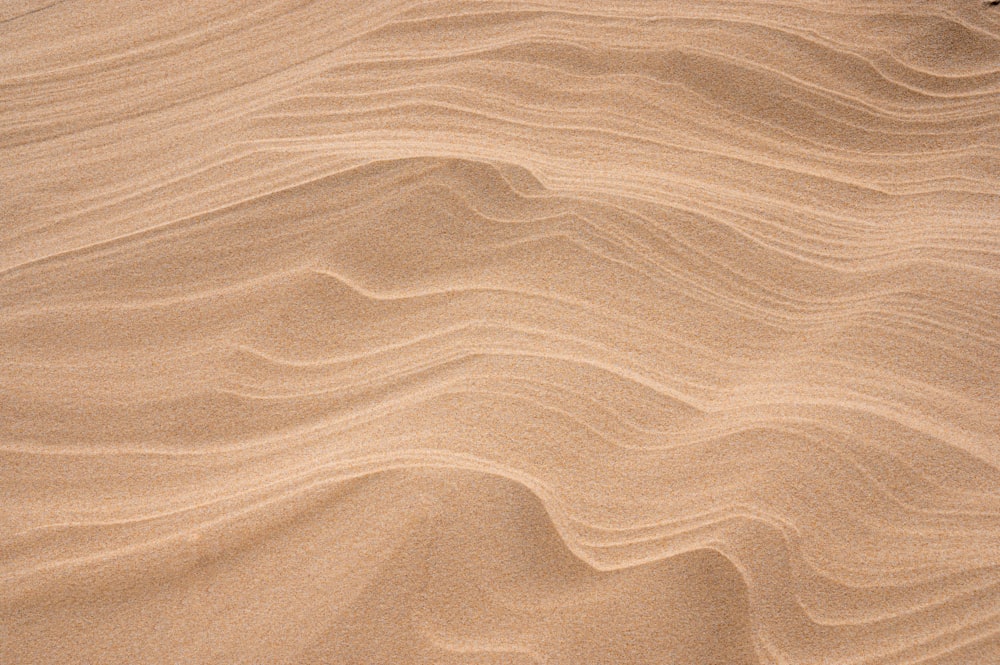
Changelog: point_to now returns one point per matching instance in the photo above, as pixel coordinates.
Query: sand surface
(554, 331)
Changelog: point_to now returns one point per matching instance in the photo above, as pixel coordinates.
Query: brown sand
(500, 332)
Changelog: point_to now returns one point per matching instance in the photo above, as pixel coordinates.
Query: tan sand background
(551, 331)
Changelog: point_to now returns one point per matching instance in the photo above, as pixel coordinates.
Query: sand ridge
(520, 332)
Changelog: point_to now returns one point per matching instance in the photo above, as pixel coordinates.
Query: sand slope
(500, 332)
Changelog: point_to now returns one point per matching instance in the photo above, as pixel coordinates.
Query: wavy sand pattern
(500, 332)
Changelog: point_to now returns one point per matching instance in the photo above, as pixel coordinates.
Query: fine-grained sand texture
(554, 331)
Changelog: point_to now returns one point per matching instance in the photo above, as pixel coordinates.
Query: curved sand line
(453, 332)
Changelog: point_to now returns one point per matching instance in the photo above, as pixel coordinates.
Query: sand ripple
(522, 332)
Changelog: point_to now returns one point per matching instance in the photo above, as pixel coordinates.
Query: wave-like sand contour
(551, 332)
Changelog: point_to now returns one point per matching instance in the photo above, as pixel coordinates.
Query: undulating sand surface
(555, 331)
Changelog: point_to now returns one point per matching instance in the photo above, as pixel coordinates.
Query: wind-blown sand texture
(398, 331)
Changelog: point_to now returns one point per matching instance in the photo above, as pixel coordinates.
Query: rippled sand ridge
(554, 331)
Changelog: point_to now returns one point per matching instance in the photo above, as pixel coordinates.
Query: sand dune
(500, 332)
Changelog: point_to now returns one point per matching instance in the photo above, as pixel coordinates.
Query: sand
(557, 332)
